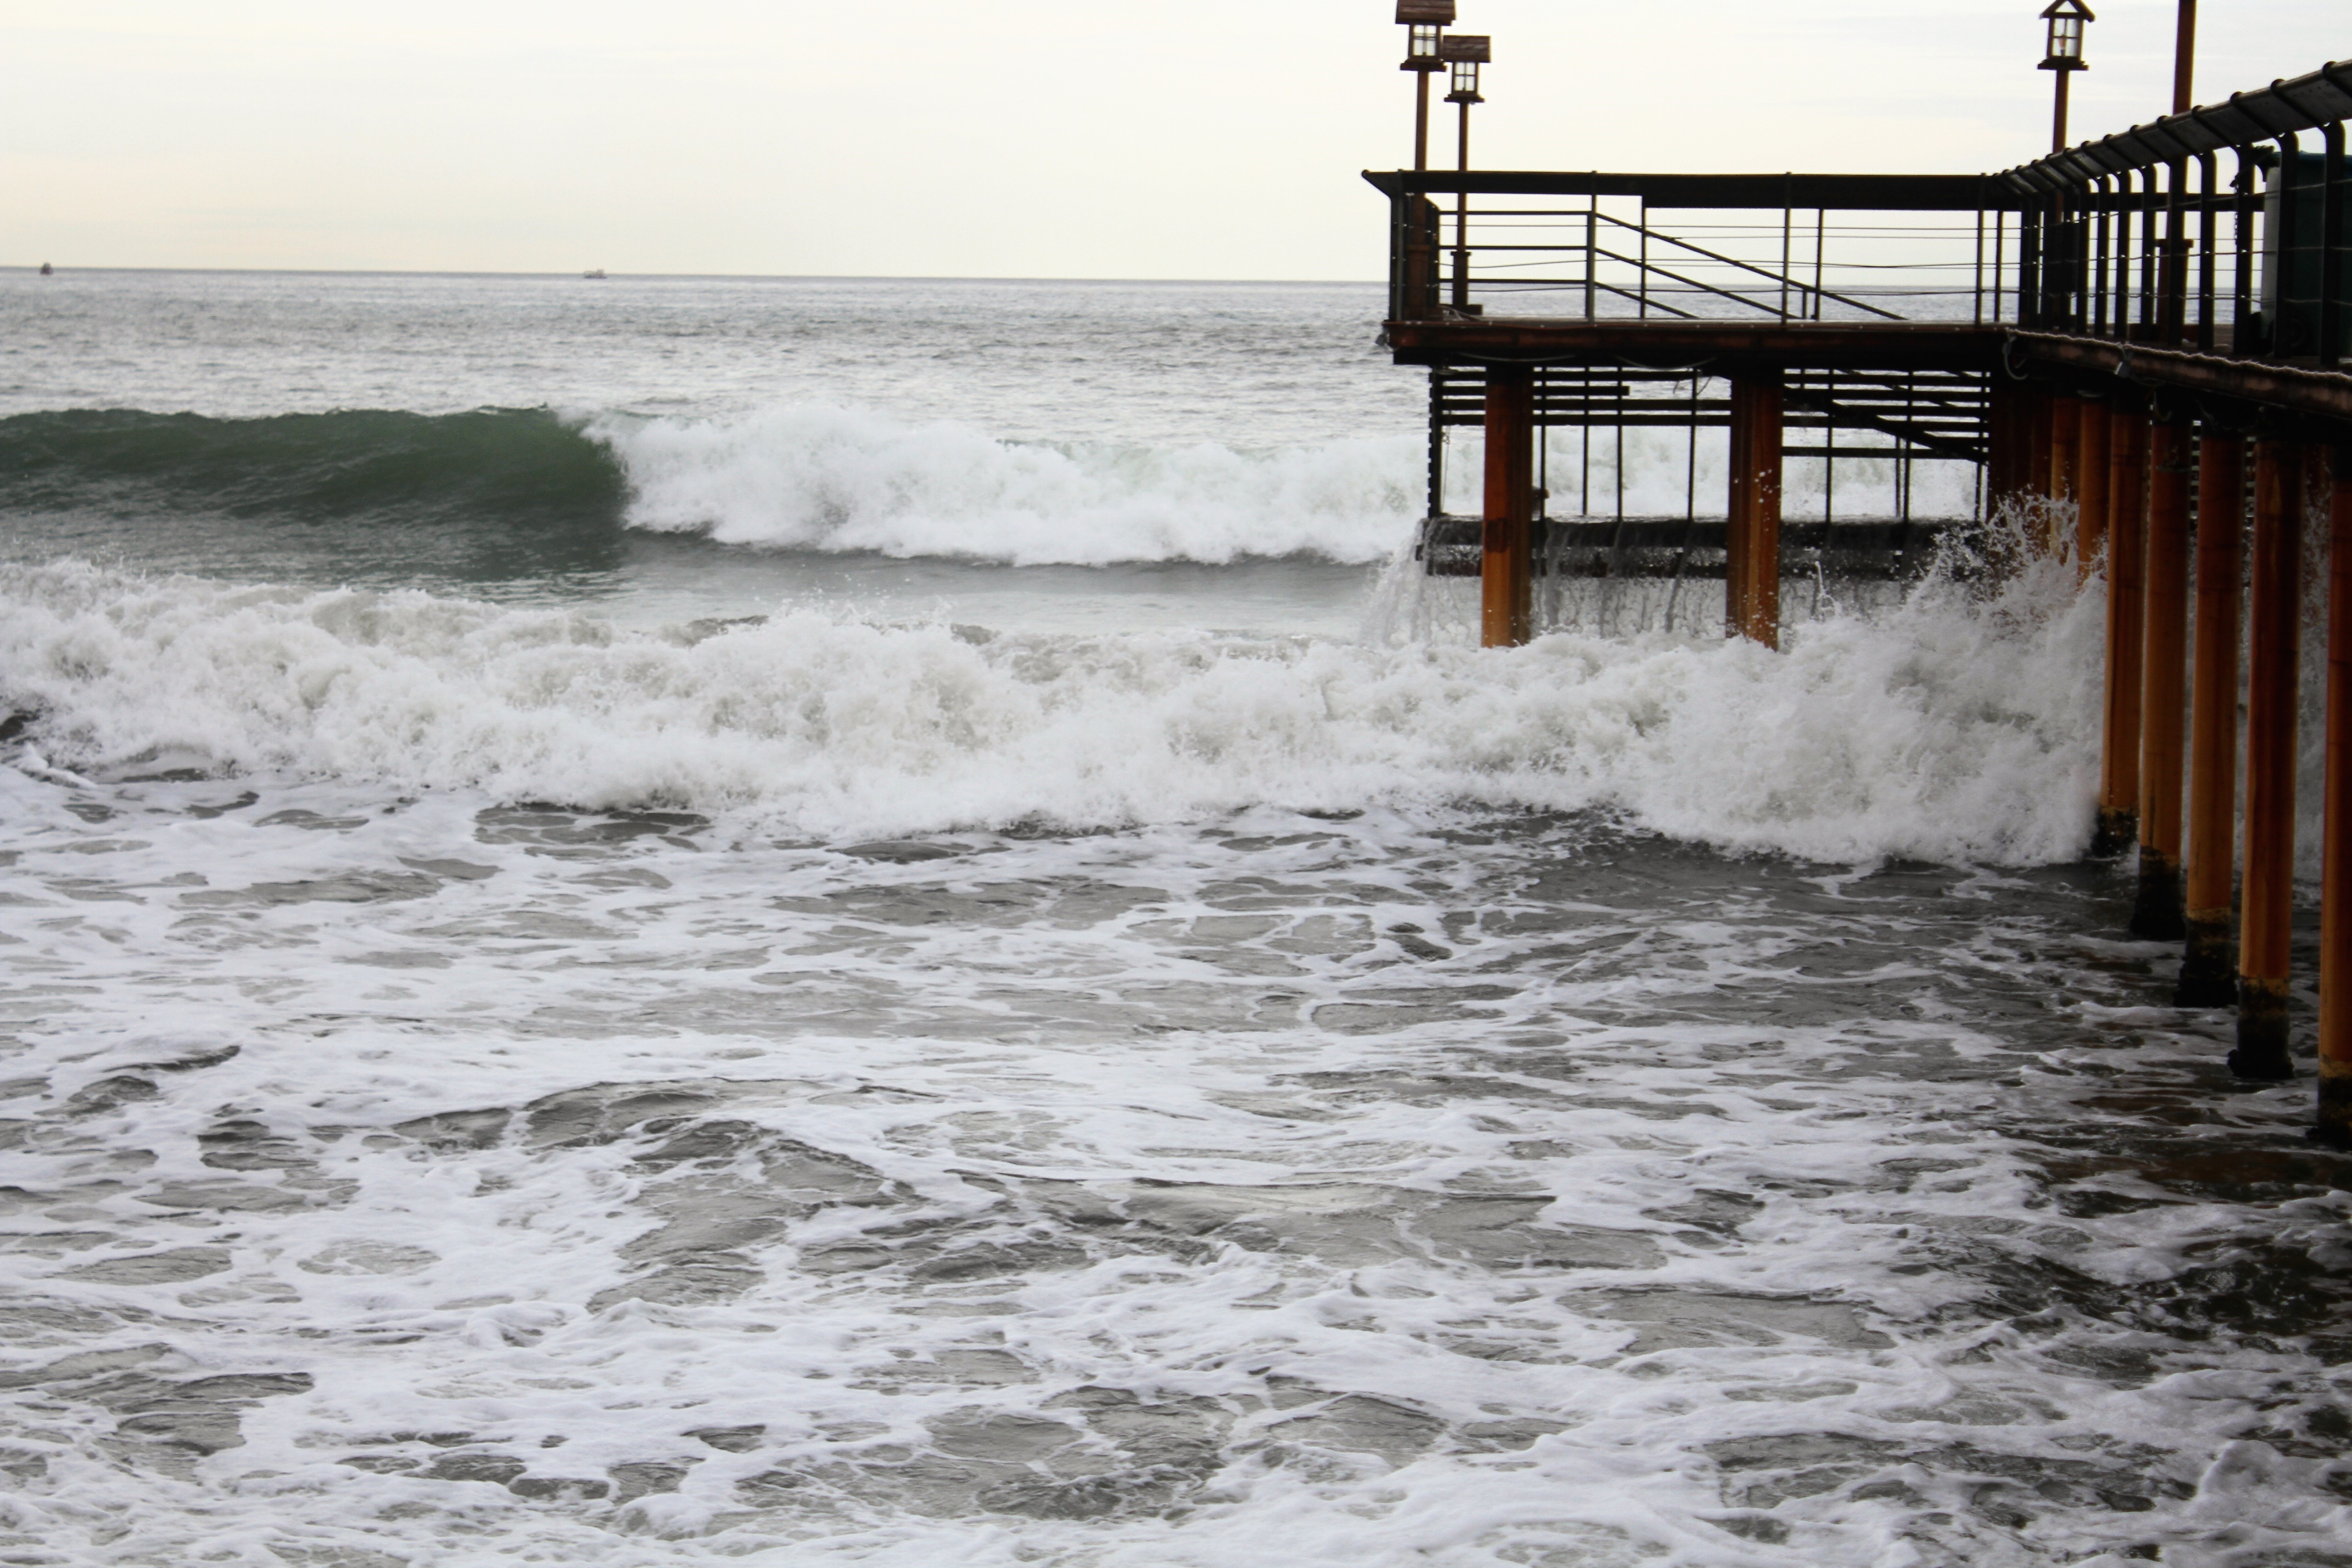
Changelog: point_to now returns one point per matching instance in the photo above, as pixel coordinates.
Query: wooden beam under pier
(2064, 480)
(2014, 419)
(2038, 438)
(2209, 966)
(1752, 541)
(2266, 909)
(1507, 565)
(2127, 530)
(2334, 1124)
(2091, 475)
(2164, 672)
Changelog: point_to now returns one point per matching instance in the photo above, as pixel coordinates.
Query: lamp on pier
(2065, 55)
(1424, 21)
(1463, 54)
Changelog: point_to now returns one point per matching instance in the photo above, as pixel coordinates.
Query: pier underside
(1730, 400)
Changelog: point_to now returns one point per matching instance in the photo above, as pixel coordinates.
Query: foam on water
(818, 476)
(441, 1183)
(1951, 728)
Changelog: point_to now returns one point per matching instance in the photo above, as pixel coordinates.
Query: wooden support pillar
(1506, 565)
(2336, 865)
(2127, 488)
(2064, 483)
(2015, 423)
(1752, 542)
(2064, 449)
(2091, 487)
(2164, 679)
(2039, 444)
(2208, 968)
(2267, 905)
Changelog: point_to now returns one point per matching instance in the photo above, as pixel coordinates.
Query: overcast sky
(1023, 138)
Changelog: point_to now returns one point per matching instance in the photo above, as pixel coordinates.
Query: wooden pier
(2137, 344)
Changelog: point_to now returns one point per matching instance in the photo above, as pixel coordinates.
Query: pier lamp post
(1424, 21)
(2184, 58)
(1465, 53)
(2064, 57)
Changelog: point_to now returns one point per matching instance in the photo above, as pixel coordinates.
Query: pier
(2131, 350)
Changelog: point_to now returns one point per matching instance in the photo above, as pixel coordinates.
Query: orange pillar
(2208, 968)
(2091, 487)
(2126, 440)
(2064, 480)
(2164, 679)
(1507, 565)
(1752, 541)
(2015, 423)
(2038, 445)
(2335, 866)
(2267, 905)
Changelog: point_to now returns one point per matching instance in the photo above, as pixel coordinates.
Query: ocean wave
(806, 477)
(525, 468)
(1947, 729)
(817, 478)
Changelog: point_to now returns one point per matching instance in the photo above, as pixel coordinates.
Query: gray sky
(1039, 138)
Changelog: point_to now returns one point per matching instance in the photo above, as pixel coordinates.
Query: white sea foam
(814, 477)
(1949, 728)
(739, 1202)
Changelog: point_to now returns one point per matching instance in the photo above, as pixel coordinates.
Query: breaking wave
(814, 477)
(809, 478)
(1949, 728)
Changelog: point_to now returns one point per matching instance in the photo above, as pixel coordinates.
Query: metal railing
(2145, 237)
(1698, 247)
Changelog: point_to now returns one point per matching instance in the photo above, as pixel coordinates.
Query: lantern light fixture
(2065, 57)
(2065, 47)
(1465, 53)
(1424, 21)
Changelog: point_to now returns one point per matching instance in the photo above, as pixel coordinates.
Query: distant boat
(49, 272)
(591, 272)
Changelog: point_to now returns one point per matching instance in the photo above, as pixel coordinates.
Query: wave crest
(816, 478)
(808, 476)
(1946, 730)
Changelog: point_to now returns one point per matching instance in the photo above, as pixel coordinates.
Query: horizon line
(35, 269)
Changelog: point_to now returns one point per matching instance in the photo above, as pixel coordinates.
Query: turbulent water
(670, 922)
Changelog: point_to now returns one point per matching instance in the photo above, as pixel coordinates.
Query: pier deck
(1842, 345)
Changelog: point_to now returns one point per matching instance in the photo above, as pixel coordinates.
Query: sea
(682, 920)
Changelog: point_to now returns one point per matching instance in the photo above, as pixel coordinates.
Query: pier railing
(1731, 247)
(2223, 231)
(2149, 237)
